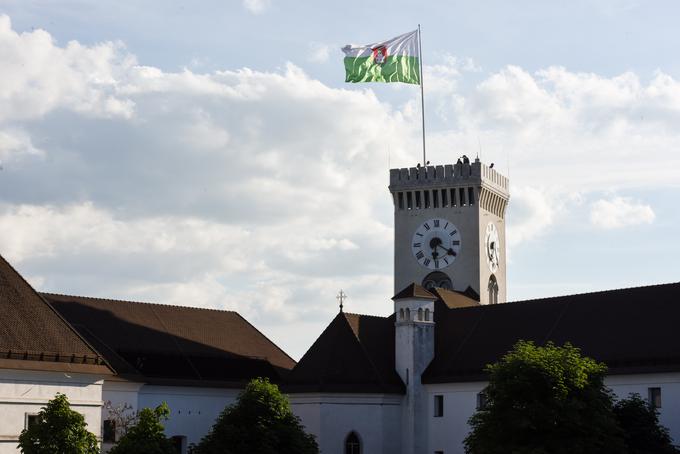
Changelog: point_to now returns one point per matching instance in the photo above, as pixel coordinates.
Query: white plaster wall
(447, 433)
(23, 392)
(120, 392)
(331, 417)
(460, 401)
(193, 410)
(669, 413)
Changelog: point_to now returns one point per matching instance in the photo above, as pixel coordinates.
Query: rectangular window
(30, 421)
(471, 196)
(435, 198)
(426, 195)
(445, 202)
(453, 197)
(179, 442)
(438, 406)
(461, 192)
(481, 401)
(418, 206)
(109, 432)
(400, 200)
(409, 200)
(655, 397)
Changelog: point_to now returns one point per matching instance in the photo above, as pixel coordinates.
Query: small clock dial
(436, 243)
(493, 247)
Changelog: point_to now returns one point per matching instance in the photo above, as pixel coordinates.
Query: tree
(545, 400)
(641, 429)
(260, 422)
(58, 430)
(122, 416)
(147, 436)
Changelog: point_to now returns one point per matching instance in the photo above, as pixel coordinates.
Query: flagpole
(422, 92)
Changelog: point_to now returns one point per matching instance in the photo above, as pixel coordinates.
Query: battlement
(447, 175)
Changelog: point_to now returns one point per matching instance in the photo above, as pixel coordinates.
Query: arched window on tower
(352, 444)
(437, 279)
(427, 315)
(420, 314)
(493, 290)
(408, 314)
(401, 314)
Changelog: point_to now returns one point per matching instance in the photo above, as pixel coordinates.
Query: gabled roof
(414, 291)
(34, 336)
(355, 353)
(454, 299)
(631, 330)
(165, 344)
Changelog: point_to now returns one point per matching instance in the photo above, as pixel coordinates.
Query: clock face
(493, 247)
(436, 244)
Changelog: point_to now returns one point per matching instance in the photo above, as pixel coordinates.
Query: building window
(654, 397)
(179, 442)
(409, 201)
(400, 199)
(481, 401)
(109, 432)
(493, 290)
(418, 205)
(408, 314)
(471, 196)
(426, 197)
(401, 314)
(427, 315)
(352, 444)
(438, 406)
(420, 314)
(445, 202)
(435, 198)
(31, 420)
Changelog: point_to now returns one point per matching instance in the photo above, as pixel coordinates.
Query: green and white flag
(394, 60)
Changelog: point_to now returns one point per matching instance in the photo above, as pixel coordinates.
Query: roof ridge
(366, 315)
(56, 312)
(621, 289)
(112, 300)
(376, 371)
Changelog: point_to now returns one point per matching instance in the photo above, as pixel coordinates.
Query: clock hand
(449, 251)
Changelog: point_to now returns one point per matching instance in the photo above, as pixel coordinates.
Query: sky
(210, 154)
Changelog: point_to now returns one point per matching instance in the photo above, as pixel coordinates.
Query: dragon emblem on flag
(380, 55)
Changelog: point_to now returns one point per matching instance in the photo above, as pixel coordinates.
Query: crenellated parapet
(460, 174)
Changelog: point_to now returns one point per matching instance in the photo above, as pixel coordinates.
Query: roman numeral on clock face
(420, 255)
(417, 244)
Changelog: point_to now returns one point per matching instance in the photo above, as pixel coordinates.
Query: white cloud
(39, 76)
(257, 6)
(265, 191)
(319, 52)
(620, 212)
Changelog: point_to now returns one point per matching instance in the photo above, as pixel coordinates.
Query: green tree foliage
(641, 429)
(260, 422)
(545, 400)
(147, 436)
(58, 430)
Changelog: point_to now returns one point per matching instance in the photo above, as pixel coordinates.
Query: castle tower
(414, 350)
(449, 228)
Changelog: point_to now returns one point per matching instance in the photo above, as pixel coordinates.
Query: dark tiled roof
(454, 299)
(632, 330)
(174, 344)
(414, 291)
(32, 331)
(355, 353)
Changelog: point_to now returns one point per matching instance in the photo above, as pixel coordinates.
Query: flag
(394, 60)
